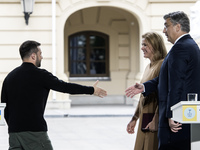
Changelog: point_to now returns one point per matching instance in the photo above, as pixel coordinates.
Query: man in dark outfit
(25, 91)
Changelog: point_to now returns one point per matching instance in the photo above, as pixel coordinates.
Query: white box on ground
(2, 107)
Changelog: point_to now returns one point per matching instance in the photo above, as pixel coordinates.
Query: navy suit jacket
(179, 75)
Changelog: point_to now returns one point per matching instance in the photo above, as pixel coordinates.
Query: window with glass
(88, 54)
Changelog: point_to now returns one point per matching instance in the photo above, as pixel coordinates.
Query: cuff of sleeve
(144, 88)
(134, 118)
(169, 114)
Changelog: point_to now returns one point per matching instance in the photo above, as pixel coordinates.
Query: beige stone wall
(123, 20)
(14, 31)
(116, 23)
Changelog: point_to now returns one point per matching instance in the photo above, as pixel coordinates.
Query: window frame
(89, 76)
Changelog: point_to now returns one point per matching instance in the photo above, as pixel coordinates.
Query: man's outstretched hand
(99, 91)
(134, 90)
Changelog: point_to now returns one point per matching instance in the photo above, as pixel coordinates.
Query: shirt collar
(180, 37)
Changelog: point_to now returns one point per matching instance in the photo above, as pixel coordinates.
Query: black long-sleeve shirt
(25, 91)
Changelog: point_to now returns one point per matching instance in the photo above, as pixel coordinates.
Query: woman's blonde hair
(157, 43)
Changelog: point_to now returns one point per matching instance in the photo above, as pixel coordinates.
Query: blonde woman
(154, 49)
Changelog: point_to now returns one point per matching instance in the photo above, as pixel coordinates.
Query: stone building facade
(121, 22)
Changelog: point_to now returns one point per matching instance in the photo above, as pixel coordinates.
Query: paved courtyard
(86, 128)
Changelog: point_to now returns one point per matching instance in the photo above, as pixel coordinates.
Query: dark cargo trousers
(29, 141)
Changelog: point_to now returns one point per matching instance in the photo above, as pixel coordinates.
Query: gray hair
(179, 17)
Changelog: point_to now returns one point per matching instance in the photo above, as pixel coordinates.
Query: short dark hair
(179, 17)
(27, 48)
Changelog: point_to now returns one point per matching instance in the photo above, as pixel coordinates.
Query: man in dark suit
(179, 75)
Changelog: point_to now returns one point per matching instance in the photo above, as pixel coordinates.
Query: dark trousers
(169, 140)
(183, 145)
(29, 141)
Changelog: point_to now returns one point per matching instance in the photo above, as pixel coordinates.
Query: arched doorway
(122, 29)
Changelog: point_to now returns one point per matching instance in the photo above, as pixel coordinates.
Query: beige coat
(147, 140)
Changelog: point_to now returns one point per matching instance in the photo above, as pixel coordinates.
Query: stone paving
(86, 128)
